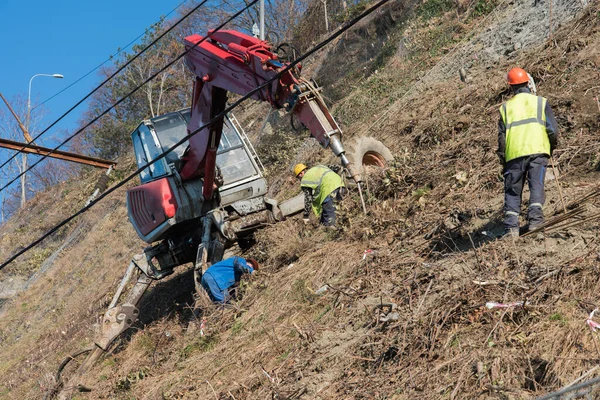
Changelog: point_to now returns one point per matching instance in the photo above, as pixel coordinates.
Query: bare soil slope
(325, 320)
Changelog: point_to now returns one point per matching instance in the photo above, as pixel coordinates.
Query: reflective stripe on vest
(322, 181)
(524, 117)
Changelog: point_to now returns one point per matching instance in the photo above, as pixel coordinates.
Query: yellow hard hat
(299, 168)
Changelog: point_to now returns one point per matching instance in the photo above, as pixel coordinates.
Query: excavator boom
(235, 62)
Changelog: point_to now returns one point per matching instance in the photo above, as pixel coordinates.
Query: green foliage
(145, 343)
(323, 312)
(109, 362)
(33, 263)
(434, 8)
(438, 38)
(455, 341)
(124, 384)
(277, 149)
(283, 356)
(201, 344)
(483, 7)
(138, 91)
(301, 292)
(387, 51)
(420, 192)
(557, 317)
(237, 327)
(351, 12)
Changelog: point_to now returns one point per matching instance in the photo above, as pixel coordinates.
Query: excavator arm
(229, 61)
(235, 62)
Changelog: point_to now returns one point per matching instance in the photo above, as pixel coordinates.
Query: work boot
(531, 226)
(512, 233)
(538, 235)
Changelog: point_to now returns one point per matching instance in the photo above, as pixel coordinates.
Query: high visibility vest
(322, 181)
(524, 117)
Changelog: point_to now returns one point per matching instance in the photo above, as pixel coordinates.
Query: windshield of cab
(233, 159)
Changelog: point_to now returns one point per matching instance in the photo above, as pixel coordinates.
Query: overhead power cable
(68, 139)
(120, 50)
(99, 86)
(222, 114)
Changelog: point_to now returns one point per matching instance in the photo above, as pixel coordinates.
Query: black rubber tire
(368, 151)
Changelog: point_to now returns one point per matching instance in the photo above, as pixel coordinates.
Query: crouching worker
(220, 279)
(322, 186)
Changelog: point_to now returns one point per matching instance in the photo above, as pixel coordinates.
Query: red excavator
(204, 195)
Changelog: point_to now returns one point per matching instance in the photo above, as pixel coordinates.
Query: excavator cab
(165, 204)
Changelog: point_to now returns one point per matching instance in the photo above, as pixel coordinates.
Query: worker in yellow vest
(322, 186)
(527, 135)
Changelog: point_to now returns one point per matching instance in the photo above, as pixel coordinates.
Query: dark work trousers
(328, 213)
(515, 171)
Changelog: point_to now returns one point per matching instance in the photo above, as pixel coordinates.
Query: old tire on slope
(368, 151)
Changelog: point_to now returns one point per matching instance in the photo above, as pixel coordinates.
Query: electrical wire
(68, 139)
(98, 87)
(222, 114)
(163, 18)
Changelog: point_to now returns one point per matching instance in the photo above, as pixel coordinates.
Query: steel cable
(228, 109)
(120, 50)
(68, 139)
(96, 89)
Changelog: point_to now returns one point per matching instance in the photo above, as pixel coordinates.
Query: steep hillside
(322, 319)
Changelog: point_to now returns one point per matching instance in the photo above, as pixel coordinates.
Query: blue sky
(65, 37)
(69, 38)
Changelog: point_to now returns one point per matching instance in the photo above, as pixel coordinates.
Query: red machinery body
(152, 204)
(233, 61)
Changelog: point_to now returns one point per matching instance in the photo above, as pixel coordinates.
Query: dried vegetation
(325, 319)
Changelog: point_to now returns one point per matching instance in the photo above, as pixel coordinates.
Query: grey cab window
(146, 150)
(232, 158)
(170, 129)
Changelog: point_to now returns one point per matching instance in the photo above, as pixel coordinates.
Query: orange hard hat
(517, 76)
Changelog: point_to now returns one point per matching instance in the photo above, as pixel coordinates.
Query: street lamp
(59, 76)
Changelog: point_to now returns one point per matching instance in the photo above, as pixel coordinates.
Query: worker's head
(517, 78)
(253, 263)
(299, 170)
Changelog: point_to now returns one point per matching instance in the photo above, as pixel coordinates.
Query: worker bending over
(321, 186)
(219, 279)
(527, 135)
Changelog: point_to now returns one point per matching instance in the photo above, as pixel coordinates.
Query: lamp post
(24, 164)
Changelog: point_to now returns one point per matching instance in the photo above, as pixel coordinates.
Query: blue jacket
(220, 277)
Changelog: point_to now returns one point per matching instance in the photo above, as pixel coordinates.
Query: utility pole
(262, 19)
(326, 18)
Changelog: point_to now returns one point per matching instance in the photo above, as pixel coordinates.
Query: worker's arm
(335, 168)
(308, 200)
(501, 139)
(551, 127)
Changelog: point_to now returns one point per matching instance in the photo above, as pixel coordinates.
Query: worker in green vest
(527, 135)
(322, 186)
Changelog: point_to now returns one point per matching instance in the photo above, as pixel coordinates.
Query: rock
(463, 74)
